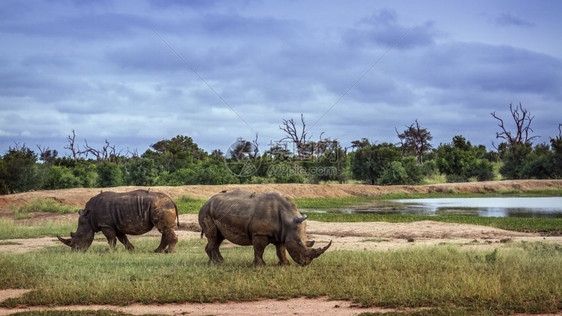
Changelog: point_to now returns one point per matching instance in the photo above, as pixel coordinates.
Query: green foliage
(109, 174)
(176, 153)
(57, 177)
(19, 170)
(522, 161)
(460, 161)
(513, 159)
(369, 162)
(179, 161)
(395, 173)
(141, 172)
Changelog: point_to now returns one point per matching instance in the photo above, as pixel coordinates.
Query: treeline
(296, 159)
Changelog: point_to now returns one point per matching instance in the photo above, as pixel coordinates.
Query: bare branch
(298, 137)
(522, 119)
(75, 151)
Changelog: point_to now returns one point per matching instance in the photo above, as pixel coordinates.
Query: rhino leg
(214, 240)
(282, 255)
(259, 242)
(125, 241)
(111, 236)
(168, 241)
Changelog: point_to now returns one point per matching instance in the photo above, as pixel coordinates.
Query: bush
(109, 175)
(141, 171)
(19, 170)
(394, 174)
(56, 177)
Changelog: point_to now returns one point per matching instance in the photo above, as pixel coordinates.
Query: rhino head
(299, 247)
(84, 235)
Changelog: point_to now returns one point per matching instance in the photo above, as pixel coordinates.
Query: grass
(188, 205)
(10, 229)
(518, 278)
(43, 205)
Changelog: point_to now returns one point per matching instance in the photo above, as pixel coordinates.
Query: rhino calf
(247, 218)
(119, 214)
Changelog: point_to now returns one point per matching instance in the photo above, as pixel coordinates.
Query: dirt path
(296, 306)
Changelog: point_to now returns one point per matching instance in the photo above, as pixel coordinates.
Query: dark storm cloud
(487, 68)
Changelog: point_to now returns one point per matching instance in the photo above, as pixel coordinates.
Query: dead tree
(106, 153)
(74, 150)
(522, 119)
(298, 136)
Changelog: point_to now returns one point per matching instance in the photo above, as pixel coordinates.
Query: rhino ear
(84, 212)
(298, 220)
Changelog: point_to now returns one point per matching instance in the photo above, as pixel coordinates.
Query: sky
(136, 72)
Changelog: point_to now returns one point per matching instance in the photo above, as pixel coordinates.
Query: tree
(176, 153)
(20, 172)
(415, 141)
(74, 149)
(141, 171)
(368, 163)
(522, 119)
(109, 174)
(556, 145)
(460, 161)
(299, 136)
(46, 154)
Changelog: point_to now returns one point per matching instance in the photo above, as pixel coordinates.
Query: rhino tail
(177, 215)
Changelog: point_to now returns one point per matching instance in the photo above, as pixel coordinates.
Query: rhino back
(241, 214)
(128, 212)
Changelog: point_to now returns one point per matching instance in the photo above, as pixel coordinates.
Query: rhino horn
(64, 241)
(298, 220)
(310, 243)
(315, 253)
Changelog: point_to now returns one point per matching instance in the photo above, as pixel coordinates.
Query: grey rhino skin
(118, 214)
(246, 218)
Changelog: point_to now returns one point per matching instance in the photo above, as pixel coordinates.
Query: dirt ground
(370, 236)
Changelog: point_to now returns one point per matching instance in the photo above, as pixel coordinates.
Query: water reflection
(550, 207)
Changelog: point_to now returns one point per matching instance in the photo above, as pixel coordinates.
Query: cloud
(383, 30)
(506, 19)
(63, 69)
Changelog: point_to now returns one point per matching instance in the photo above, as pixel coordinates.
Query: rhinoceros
(246, 218)
(118, 214)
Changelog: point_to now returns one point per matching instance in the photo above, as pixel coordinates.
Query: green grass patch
(9, 243)
(518, 278)
(43, 205)
(188, 205)
(10, 229)
(549, 226)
